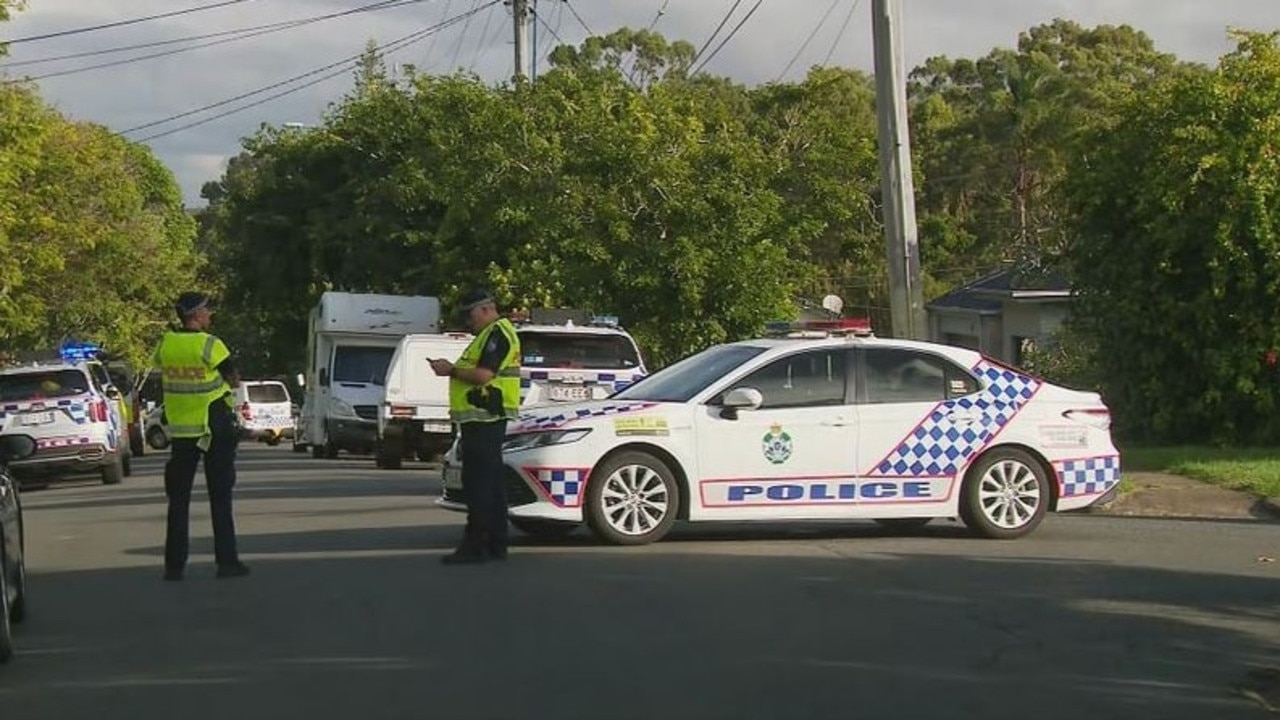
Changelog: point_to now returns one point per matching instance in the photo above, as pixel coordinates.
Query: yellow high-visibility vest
(506, 380)
(188, 364)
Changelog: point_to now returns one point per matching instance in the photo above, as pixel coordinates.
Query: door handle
(836, 423)
(962, 417)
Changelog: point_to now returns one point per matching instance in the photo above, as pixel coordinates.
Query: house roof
(1018, 283)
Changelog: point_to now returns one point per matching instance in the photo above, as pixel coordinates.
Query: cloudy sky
(129, 95)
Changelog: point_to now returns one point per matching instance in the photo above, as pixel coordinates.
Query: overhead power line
(484, 39)
(325, 73)
(578, 17)
(728, 37)
(122, 23)
(661, 11)
(723, 21)
(840, 35)
(245, 34)
(812, 34)
(381, 5)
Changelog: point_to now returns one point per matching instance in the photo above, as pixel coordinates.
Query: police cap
(189, 302)
(474, 298)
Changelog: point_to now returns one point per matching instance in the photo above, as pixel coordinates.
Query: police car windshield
(354, 364)
(685, 379)
(43, 385)
(542, 349)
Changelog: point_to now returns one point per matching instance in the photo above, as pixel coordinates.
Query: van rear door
(413, 390)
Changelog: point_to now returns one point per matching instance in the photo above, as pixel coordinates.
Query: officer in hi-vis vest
(198, 375)
(484, 393)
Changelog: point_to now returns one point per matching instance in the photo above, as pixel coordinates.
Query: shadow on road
(651, 632)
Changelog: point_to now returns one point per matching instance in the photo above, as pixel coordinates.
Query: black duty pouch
(486, 398)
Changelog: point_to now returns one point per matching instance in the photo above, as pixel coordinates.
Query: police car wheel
(543, 529)
(1006, 495)
(632, 499)
(157, 439)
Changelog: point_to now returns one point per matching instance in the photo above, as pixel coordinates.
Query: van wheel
(113, 472)
(388, 461)
(298, 448)
(157, 438)
(317, 451)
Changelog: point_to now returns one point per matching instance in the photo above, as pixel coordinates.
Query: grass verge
(1255, 470)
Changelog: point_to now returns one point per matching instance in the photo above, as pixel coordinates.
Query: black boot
(470, 552)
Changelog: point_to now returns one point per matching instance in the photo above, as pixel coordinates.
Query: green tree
(1177, 252)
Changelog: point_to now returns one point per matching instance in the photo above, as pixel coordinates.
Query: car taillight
(98, 410)
(1093, 417)
(246, 412)
(401, 411)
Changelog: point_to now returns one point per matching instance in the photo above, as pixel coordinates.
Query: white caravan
(351, 339)
(414, 420)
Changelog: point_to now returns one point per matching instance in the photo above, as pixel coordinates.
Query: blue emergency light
(605, 320)
(74, 351)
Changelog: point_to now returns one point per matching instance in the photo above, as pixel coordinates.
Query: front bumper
(347, 434)
(524, 498)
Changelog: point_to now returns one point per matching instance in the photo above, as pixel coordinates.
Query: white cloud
(130, 95)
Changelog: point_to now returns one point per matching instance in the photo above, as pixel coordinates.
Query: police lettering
(830, 492)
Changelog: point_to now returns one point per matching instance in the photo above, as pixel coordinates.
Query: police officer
(484, 393)
(198, 375)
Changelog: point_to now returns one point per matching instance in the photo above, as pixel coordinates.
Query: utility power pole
(902, 248)
(520, 17)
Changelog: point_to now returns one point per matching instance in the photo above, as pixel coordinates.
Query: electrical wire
(381, 5)
(122, 23)
(812, 34)
(723, 21)
(267, 30)
(457, 48)
(484, 40)
(839, 35)
(431, 46)
(578, 17)
(661, 11)
(342, 66)
(728, 37)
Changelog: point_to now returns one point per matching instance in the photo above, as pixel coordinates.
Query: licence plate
(453, 477)
(40, 418)
(434, 427)
(569, 393)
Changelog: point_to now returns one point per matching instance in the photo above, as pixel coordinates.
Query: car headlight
(341, 408)
(529, 441)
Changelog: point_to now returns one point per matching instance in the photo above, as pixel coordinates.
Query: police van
(67, 403)
(571, 356)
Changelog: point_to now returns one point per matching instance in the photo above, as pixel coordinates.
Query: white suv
(76, 423)
(571, 362)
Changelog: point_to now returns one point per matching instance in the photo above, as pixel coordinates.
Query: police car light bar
(72, 351)
(858, 327)
(605, 320)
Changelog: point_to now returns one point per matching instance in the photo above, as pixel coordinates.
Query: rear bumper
(85, 458)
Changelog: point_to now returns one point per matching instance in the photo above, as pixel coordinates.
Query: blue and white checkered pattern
(1088, 476)
(550, 421)
(564, 486)
(77, 410)
(938, 447)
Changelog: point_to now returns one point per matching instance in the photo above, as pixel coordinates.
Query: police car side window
(906, 376)
(809, 379)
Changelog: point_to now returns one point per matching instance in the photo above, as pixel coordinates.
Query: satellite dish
(833, 304)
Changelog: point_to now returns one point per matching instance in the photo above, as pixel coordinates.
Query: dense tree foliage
(1177, 252)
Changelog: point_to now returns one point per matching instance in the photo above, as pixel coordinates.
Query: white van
(266, 411)
(414, 418)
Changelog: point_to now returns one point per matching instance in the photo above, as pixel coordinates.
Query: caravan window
(354, 364)
(267, 393)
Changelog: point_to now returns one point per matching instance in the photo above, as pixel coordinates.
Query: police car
(570, 356)
(69, 406)
(820, 421)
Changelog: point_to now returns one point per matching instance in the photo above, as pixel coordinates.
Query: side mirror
(324, 377)
(16, 447)
(302, 380)
(745, 398)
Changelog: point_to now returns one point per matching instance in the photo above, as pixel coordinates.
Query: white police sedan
(811, 428)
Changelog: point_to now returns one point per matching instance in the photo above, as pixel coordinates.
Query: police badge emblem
(777, 445)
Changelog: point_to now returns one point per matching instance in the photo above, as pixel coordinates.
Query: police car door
(911, 448)
(794, 456)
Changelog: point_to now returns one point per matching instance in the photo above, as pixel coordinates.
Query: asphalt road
(348, 613)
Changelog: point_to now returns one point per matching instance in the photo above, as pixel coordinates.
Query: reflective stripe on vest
(188, 370)
(507, 379)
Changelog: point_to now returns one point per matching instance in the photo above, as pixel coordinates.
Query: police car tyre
(6, 627)
(632, 499)
(1006, 494)
(113, 471)
(157, 439)
(543, 529)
